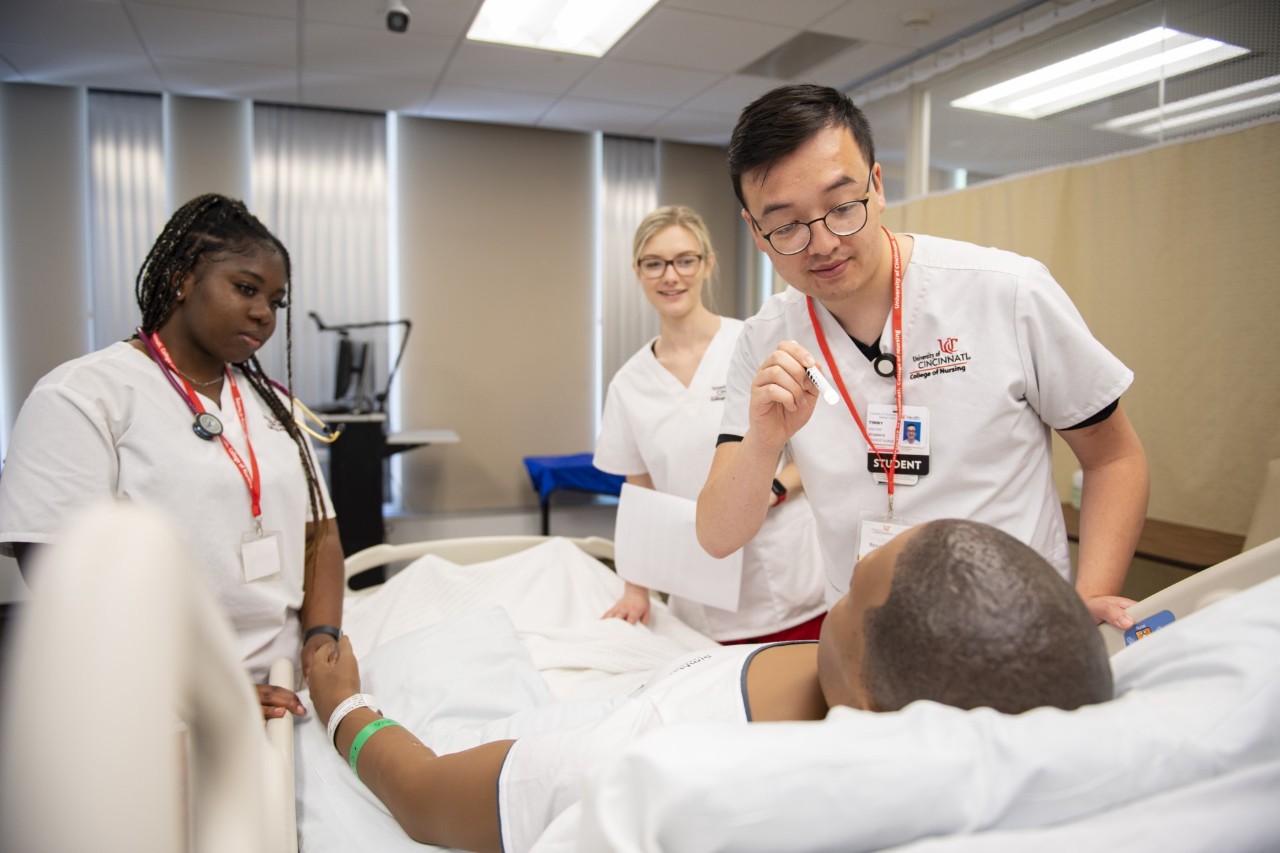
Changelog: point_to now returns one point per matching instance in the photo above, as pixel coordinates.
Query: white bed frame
(128, 723)
(1203, 588)
(463, 551)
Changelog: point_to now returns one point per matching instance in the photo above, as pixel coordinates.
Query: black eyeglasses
(843, 220)
(653, 267)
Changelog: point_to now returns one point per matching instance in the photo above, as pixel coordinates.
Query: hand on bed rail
(1111, 609)
(278, 701)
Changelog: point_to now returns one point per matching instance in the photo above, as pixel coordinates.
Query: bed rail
(1202, 589)
(121, 649)
(463, 550)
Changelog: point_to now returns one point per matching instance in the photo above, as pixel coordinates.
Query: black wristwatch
(779, 490)
(321, 629)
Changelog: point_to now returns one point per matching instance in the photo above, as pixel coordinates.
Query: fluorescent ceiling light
(1254, 95)
(1139, 60)
(587, 27)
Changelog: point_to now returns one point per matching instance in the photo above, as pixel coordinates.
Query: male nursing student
(979, 347)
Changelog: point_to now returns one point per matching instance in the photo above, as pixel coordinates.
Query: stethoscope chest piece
(207, 426)
(885, 364)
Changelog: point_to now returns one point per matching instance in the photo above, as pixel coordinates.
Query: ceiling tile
(269, 8)
(67, 23)
(854, 64)
(642, 83)
(876, 21)
(229, 79)
(491, 105)
(695, 127)
(329, 47)
(514, 68)
(71, 67)
(363, 92)
(731, 94)
(696, 40)
(584, 114)
(793, 13)
(197, 34)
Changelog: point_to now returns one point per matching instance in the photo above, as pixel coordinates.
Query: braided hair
(208, 225)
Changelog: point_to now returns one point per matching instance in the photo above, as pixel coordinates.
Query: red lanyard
(897, 370)
(248, 472)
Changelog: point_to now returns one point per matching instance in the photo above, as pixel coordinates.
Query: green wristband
(366, 733)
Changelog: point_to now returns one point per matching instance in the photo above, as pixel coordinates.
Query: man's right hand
(782, 397)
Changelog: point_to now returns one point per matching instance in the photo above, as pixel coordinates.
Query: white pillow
(1197, 699)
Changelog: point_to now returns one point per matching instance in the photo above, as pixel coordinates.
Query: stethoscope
(206, 424)
(885, 364)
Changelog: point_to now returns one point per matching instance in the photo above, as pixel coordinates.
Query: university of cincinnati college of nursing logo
(949, 357)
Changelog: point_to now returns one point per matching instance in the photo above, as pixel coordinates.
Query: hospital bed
(475, 631)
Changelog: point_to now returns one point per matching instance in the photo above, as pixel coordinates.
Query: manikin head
(963, 614)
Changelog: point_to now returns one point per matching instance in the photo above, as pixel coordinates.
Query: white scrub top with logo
(997, 353)
(653, 424)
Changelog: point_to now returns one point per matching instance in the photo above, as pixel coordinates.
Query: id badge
(260, 555)
(913, 442)
(877, 528)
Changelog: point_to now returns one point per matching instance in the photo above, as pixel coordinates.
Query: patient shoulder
(782, 684)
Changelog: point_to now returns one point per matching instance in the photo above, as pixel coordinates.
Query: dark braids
(211, 225)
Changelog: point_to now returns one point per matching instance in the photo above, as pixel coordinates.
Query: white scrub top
(109, 425)
(653, 424)
(545, 772)
(997, 353)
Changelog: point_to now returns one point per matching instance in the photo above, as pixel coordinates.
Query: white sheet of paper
(656, 545)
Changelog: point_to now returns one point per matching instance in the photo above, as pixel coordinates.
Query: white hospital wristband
(359, 700)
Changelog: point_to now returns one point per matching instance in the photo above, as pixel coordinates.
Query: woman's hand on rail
(277, 701)
(633, 606)
(333, 677)
(1111, 609)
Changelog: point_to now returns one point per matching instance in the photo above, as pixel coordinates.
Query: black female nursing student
(183, 417)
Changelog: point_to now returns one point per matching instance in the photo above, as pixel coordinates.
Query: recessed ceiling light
(1139, 60)
(585, 27)
(1255, 95)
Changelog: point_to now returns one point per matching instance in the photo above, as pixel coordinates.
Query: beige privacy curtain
(1169, 254)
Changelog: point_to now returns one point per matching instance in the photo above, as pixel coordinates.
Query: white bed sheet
(466, 654)
(1186, 758)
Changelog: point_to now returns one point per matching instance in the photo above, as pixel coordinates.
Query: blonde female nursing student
(661, 417)
(183, 417)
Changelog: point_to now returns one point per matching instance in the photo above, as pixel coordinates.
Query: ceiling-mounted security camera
(397, 17)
